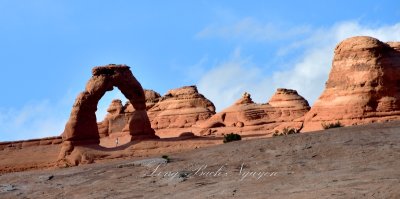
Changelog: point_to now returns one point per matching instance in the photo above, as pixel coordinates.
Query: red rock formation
(32, 142)
(180, 108)
(177, 110)
(82, 128)
(363, 85)
(108, 124)
(152, 98)
(285, 109)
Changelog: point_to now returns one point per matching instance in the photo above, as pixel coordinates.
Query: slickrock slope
(285, 109)
(363, 85)
(170, 115)
(350, 162)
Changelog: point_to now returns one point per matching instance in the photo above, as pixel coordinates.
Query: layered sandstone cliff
(285, 109)
(152, 98)
(178, 109)
(363, 85)
(20, 144)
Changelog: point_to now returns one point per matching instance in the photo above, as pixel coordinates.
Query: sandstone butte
(285, 109)
(186, 110)
(363, 85)
(170, 115)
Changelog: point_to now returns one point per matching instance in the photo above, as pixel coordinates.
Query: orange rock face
(32, 142)
(363, 85)
(108, 124)
(178, 109)
(152, 98)
(285, 109)
(82, 127)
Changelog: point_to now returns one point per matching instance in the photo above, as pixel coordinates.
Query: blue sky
(48, 48)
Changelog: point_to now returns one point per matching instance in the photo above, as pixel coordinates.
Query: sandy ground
(351, 162)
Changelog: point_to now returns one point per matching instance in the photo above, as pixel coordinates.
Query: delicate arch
(82, 128)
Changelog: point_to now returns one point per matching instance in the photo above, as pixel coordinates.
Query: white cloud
(229, 80)
(34, 120)
(225, 82)
(310, 74)
(251, 30)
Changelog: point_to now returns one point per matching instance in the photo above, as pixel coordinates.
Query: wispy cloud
(34, 120)
(309, 75)
(229, 79)
(249, 29)
(225, 82)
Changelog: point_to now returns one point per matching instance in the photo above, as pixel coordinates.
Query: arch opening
(112, 124)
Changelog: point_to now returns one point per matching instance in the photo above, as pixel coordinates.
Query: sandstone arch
(81, 128)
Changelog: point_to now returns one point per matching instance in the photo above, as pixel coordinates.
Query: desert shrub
(231, 137)
(331, 125)
(187, 134)
(276, 133)
(285, 131)
(166, 157)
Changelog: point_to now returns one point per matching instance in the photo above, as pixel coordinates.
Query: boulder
(152, 98)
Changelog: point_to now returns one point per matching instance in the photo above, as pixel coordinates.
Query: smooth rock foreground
(354, 162)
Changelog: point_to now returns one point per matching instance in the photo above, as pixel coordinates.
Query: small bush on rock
(232, 137)
(285, 131)
(167, 158)
(331, 125)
